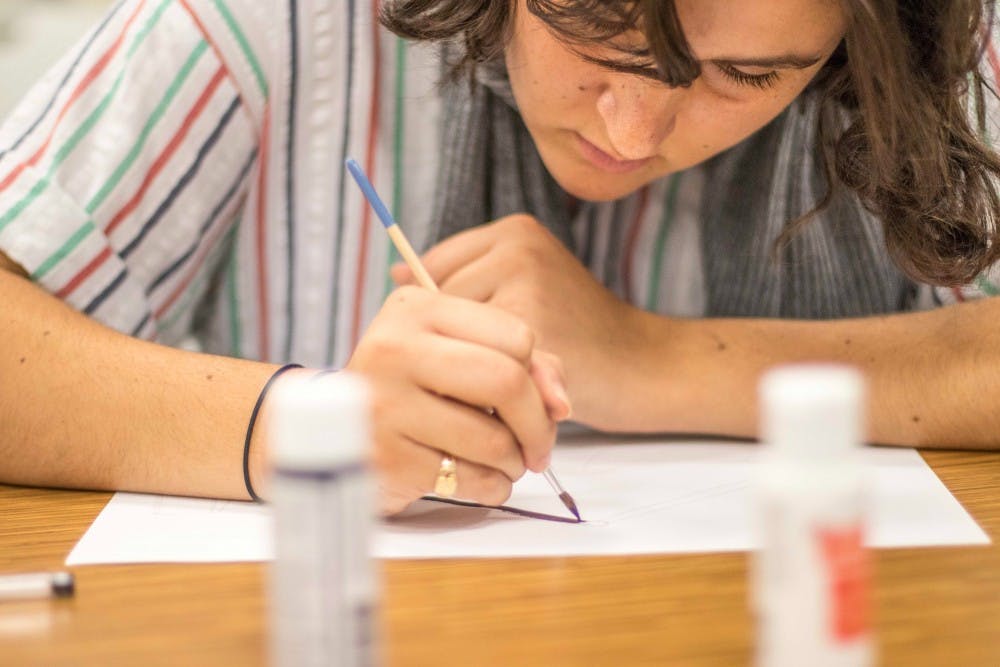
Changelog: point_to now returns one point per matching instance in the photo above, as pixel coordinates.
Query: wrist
(655, 379)
(257, 445)
(637, 366)
(700, 375)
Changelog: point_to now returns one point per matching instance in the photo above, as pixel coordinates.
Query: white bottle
(811, 574)
(323, 587)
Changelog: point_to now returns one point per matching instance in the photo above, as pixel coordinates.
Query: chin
(588, 183)
(597, 187)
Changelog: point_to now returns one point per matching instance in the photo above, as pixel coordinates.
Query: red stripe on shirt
(991, 55)
(262, 295)
(207, 36)
(85, 273)
(161, 161)
(197, 262)
(373, 110)
(631, 240)
(168, 152)
(78, 92)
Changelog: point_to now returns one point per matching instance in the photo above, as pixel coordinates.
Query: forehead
(716, 28)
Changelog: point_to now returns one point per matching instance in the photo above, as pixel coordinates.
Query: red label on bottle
(848, 576)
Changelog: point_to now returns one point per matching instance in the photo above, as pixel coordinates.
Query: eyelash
(759, 81)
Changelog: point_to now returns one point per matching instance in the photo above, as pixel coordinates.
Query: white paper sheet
(638, 496)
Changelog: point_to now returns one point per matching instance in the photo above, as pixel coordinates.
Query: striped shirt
(179, 174)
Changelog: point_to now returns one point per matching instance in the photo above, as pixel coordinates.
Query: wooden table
(938, 606)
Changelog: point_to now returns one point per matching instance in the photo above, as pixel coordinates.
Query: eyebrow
(790, 61)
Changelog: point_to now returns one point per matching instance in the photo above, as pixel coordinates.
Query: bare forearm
(934, 376)
(86, 407)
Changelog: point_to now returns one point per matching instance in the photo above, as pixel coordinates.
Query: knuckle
(498, 444)
(534, 256)
(383, 350)
(509, 380)
(551, 362)
(522, 339)
(524, 222)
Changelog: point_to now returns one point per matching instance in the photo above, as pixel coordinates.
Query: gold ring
(447, 479)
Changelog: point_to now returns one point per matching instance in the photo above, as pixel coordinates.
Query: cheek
(548, 81)
(540, 95)
(546, 99)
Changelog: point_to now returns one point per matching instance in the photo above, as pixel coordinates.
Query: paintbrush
(424, 279)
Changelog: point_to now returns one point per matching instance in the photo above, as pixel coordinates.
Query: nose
(638, 115)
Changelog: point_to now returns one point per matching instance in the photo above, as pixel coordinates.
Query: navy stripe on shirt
(345, 138)
(209, 222)
(185, 180)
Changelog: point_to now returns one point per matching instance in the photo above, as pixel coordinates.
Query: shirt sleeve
(124, 171)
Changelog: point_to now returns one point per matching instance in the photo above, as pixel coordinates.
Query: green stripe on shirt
(987, 287)
(147, 130)
(666, 222)
(241, 38)
(232, 294)
(398, 143)
(197, 286)
(66, 249)
(88, 124)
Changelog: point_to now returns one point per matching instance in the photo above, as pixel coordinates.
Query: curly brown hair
(906, 74)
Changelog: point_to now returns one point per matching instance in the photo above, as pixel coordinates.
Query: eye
(760, 81)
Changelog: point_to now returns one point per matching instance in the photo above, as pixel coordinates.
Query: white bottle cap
(812, 412)
(318, 423)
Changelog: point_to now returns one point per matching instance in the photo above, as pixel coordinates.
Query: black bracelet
(253, 420)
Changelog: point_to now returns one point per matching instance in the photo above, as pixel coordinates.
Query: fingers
(444, 259)
(455, 252)
(547, 372)
(464, 248)
(464, 432)
(477, 280)
(436, 363)
(490, 327)
(478, 376)
(410, 310)
(401, 485)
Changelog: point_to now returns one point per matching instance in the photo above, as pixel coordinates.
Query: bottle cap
(318, 423)
(812, 412)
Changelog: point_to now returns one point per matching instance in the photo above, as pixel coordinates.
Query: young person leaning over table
(639, 159)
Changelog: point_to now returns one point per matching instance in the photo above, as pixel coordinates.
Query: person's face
(603, 134)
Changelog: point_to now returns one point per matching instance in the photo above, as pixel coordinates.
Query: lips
(605, 162)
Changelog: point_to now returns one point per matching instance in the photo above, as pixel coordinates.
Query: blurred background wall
(33, 36)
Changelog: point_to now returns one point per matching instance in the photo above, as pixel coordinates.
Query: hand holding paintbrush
(446, 483)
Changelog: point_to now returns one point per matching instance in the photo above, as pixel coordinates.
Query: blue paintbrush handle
(369, 191)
